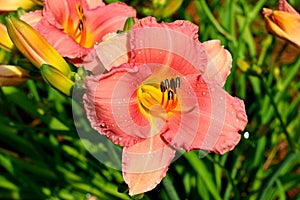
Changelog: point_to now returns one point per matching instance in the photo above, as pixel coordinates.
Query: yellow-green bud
(57, 79)
(128, 24)
(34, 47)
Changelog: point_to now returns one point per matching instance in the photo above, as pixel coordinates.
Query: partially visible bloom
(13, 5)
(284, 22)
(73, 27)
(12, 75)
(34, 47)
(5, 41)
(166, 95)
(57, 79)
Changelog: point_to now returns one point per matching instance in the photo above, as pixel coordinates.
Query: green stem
(215, 23)
(170, 189)
(236, 192)
(32, 87)
(278, 115)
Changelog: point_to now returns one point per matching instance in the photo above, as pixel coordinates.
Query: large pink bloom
(167, 96)
(74, 26)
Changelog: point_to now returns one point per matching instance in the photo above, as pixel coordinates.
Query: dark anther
(167, 83)
(80, 9)
(80, 25)
(177, 82)
(172, 85)
(162, 87)
(170, 95)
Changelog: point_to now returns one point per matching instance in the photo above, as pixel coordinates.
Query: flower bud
(12, 75)
(5, 41)
(283, 23)
(57, 79)
(128, 24)
(13, 5)
(34, 47)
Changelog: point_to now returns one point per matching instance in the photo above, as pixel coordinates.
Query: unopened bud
(57, 79)
(12, 75)
(34, 47)
(128, 24)
(5, 41)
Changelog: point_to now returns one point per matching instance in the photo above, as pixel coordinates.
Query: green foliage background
(42, 156)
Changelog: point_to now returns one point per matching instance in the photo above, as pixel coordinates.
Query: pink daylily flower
(168, 95)
(73, 27)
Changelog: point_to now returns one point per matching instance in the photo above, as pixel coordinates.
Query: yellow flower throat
(77, 30)
(163, 95)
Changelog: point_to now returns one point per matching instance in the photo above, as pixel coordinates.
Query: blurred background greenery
(42, 156)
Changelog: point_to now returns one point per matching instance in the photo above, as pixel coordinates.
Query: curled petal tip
(267, 12)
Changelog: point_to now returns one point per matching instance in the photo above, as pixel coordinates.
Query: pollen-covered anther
(169, 89)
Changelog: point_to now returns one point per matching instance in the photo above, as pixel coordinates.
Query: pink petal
(113, 51)
(181, 26)
(107, 19)
(59, 12)
(146, 163)
(283, 5)
(112, 105)
(94, 3)
(92, 63)
(170, 44)
(32, 18)
(61, 41)
(219, 62)
(217, 118)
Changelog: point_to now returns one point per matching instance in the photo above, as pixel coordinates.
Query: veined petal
(33, 46)
(112, 106)
(58, 13)
(220, 118)
(5, 41)
(219, 62)
(169, 44)
(107, 19)
(12, 75)
(146, 163)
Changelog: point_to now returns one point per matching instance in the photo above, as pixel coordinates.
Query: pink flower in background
(166, 95)
(74, 26)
